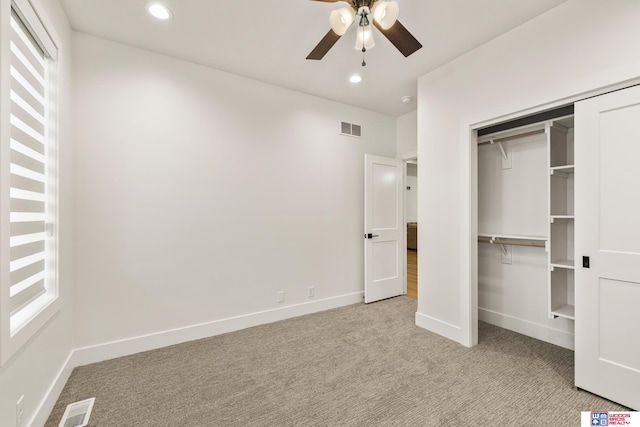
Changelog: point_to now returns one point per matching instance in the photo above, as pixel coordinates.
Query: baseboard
(51, 397)
(440, 327)
(101, 352)
(126, 347)
(528, 328)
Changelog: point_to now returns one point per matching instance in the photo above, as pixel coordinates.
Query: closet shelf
(567, 311)
(510, 137)
(562, 217)
(563, 263)
(563, 171)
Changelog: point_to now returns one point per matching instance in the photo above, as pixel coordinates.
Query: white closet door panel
(619, 178)
(608, 231)
(617, 299)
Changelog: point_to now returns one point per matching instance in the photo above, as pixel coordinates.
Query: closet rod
(508, 138)
(511, 242)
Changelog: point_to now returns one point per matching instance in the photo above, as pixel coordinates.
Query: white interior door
(384, 228)
(607, 230)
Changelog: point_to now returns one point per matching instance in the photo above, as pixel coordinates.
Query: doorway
(411, 220)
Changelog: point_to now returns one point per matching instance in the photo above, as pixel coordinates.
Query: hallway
(412, 273)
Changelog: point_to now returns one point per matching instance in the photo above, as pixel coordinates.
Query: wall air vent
(77, 414)
(350, 129)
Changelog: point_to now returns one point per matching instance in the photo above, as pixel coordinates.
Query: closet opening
(525, 215)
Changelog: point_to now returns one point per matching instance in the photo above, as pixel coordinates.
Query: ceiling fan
(383, 14)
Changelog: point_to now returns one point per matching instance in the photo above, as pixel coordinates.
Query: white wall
(573, 49)
(407, 135)
(41, 364)
(201, 194)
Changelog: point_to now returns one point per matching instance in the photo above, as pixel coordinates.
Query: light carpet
(360, 365)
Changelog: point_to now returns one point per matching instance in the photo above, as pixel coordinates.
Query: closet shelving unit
(560, 235)
(561, 218)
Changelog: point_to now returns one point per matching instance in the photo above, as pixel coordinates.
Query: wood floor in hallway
(412, 273)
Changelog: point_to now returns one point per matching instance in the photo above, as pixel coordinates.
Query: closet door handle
(370, 236)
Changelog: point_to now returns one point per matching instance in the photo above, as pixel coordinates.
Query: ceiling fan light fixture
(385, 13)
(364, 38)
(341, 20)
(384, 16)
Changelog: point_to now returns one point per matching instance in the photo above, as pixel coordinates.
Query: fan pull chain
(364, 49)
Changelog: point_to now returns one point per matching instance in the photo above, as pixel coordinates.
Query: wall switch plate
(280, 296)
(311, 291)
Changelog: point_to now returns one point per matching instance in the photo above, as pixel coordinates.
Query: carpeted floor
(361, 365)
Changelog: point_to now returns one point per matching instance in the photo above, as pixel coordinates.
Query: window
(28, 169)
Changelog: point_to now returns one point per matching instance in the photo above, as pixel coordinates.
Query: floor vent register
(77, 414)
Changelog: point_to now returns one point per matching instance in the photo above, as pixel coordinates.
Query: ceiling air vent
(350, 129)
(77, 414)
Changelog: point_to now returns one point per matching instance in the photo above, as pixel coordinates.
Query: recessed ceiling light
(355, 78)
(159, 11)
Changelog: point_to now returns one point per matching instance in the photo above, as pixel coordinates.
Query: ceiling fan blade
(323, 47)
(401, 38)
(329, 1)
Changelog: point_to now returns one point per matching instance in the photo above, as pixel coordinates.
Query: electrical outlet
(311, 291)
(20, 411)
(280, 296)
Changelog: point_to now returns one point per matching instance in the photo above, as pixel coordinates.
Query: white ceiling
(268, 40)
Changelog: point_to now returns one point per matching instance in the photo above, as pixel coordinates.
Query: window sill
(25, 324)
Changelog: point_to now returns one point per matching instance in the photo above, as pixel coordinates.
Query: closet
(526, 229)
(559, 236)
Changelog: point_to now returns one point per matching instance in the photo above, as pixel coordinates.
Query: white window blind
(29, 172)
(27, 168)
(29, 295)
